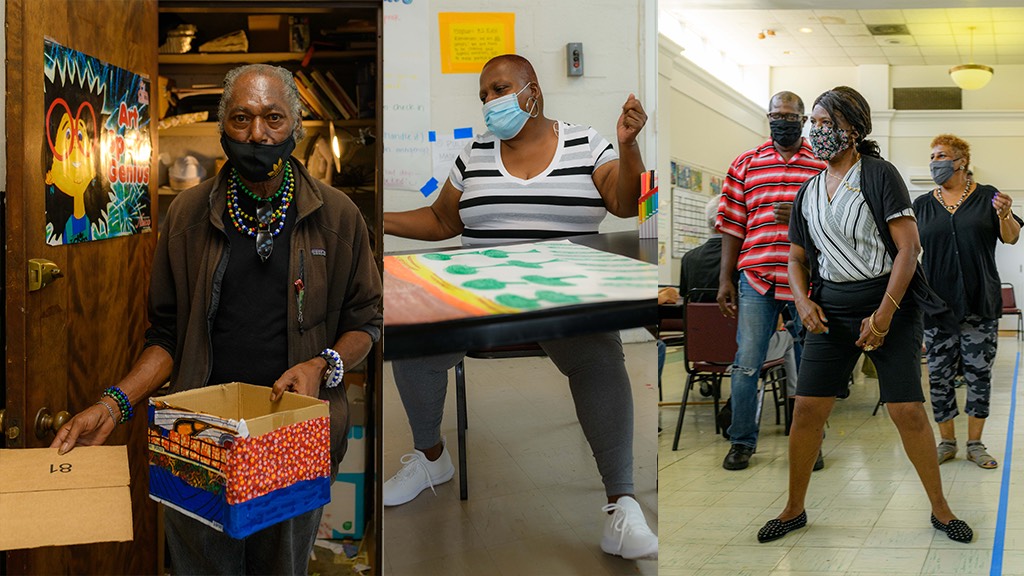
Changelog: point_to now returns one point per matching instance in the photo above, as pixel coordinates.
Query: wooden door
(70, 340)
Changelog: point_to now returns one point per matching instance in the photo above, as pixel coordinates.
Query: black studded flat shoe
(957, 530)
(775, 529)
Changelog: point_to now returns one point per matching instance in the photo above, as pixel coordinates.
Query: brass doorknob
(47, 423)
(7, 428)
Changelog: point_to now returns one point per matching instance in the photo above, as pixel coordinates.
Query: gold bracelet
(894, 302)
(874, 329)
(1008, 214)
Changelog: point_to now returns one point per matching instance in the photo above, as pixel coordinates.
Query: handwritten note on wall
(470, 39)
(406, 95)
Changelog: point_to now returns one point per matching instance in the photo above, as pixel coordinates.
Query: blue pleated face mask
(504, 117)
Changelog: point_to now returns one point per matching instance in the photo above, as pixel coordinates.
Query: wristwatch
(335, 367)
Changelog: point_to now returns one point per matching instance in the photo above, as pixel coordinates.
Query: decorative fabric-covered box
(228, 457)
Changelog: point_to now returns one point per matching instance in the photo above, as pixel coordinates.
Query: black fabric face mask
(257, 162)
(786, 133)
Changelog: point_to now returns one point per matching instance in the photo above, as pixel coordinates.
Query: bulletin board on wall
(692, 186)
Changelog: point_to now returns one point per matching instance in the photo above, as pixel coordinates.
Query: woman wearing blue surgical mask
(960, 222)
(859, 290)
(530, 178)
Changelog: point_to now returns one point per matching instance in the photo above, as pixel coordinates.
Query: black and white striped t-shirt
(497, 207)
(849, 245)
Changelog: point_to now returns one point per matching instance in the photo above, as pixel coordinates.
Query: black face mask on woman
(786, 133)
(942, 170)
(257, 162)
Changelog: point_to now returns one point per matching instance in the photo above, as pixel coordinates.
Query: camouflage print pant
(975, 347)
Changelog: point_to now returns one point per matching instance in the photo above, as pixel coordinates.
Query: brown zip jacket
(329, 241)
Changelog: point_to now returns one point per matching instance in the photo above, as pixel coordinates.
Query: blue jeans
(757, 320)
(661, 359)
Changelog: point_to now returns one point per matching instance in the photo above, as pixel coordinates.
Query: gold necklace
(951, 209)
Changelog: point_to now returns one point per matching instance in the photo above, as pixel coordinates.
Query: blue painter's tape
(463, 133)
(432, 136)
(429, 187)
(1004, 492)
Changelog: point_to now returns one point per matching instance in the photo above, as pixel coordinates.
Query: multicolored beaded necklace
(239, 218)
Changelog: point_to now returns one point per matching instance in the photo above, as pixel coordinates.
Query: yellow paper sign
(470, 39)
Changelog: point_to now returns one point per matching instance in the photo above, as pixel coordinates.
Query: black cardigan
(885, 193)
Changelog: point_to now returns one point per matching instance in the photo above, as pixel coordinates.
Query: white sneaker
(626, 533)
(417, 475)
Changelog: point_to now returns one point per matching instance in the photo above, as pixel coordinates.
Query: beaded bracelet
(118, 396)
(335, 367)
(110, 410)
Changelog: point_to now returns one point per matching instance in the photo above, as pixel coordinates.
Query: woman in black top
(959, 222)
(858, 289)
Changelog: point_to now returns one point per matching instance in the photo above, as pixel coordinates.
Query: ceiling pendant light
(971, 76)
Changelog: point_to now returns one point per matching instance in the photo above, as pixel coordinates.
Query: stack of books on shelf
(324, 96)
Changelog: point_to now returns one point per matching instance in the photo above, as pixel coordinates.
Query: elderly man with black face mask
(263, 275)
(757, 197)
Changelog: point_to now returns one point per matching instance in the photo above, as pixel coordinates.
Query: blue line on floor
(1004, 492)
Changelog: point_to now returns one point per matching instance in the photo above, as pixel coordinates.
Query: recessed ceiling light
(806, 30)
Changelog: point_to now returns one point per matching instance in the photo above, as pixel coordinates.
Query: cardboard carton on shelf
(345, 516)
(228, 457)
(269, 33)
(37, 486)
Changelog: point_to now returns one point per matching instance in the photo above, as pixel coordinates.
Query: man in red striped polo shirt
(753, 216)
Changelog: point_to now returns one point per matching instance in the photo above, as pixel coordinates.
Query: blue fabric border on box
(240, 520)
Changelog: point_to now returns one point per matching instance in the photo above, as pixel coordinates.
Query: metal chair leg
(682, 412)
(460, 402)
(716, 395)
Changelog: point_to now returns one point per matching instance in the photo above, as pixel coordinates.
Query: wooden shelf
(213, 59)
(210, 128)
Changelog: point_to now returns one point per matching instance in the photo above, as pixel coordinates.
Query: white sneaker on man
(626, 533)
(417, 474)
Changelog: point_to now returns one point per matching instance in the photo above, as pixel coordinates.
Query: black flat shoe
(957, 530)
(775, 529)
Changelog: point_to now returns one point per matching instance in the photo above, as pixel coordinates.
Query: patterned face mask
(827, 141)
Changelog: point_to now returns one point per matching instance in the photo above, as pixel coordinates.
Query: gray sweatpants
(598, 382)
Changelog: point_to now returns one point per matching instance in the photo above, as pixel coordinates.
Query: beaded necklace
(238, 181)
(239, 217)
(951, 209)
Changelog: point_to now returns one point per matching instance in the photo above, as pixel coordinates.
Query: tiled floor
(867, 511)
(535, 495)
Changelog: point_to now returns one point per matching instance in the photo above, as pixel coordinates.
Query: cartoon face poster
(96, 154)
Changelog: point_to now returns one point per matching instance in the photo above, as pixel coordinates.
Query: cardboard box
(269, 33)
(52, 500)
(345, 516)
(355, 390)
(228, 457)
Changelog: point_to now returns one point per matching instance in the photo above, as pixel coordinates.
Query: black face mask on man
(786, 133)
(257, 162)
